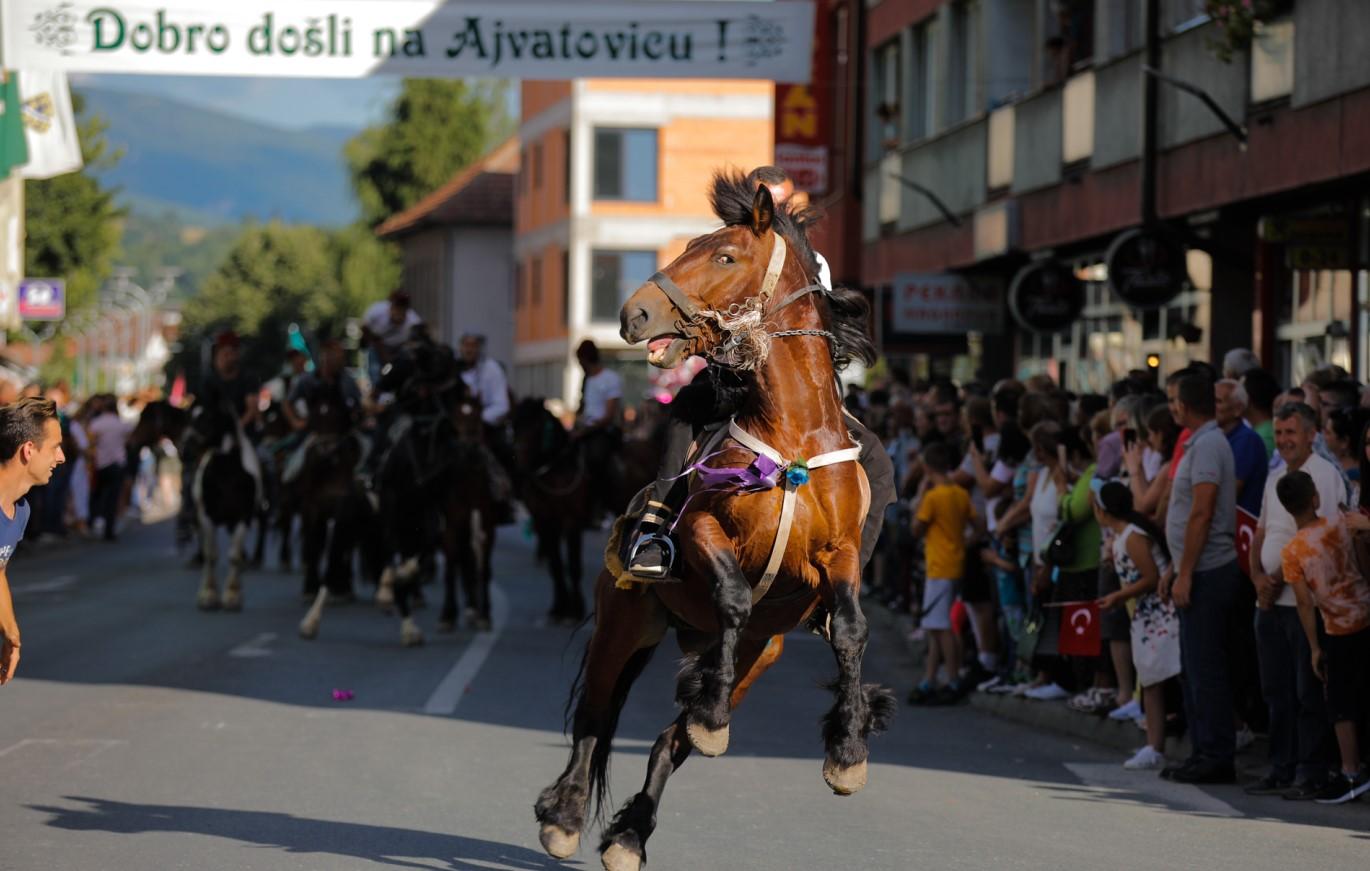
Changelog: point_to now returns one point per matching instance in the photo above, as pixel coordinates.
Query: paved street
(142, 734)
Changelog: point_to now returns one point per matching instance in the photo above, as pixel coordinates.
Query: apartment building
(1004, 142)
(612, 182)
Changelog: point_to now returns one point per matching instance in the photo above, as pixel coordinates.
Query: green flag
(14, 149)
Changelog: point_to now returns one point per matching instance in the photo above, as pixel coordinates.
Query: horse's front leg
(233, 589)
(208, 598)
(706, 681)
(860, 710)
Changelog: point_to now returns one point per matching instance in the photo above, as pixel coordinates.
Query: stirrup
(653, 573)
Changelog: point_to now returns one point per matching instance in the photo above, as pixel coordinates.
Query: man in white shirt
(597, 422)
(1301, 747)
(386, 326)
(486, 382)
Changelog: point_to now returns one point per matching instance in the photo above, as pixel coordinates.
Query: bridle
(694, 317)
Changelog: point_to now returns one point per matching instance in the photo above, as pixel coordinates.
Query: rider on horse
(598, 426)
(486, 383)
(228, 388)
(653, 551)
(312, 391)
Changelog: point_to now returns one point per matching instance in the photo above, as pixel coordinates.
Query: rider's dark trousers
(109, 483)
(670, 490)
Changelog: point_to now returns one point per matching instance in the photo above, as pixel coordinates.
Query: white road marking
(1146, 785)
(96, 745)
(254, 648)
(449, 692)
(61, 582)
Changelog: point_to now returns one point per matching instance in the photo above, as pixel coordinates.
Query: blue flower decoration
(797, 473)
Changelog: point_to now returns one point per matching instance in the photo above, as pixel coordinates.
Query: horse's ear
(763, 210)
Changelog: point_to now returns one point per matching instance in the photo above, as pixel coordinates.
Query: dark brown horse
(745, 296)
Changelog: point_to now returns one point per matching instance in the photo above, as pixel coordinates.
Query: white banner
(947, 304)
(355, 38)
(49, 125)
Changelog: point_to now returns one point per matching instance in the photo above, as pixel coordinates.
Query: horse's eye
(724, 259)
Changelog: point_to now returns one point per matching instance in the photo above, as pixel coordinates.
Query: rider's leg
(252, 464)
(875, 460)
(652, 551)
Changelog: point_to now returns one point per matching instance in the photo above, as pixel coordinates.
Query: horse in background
(225, 496)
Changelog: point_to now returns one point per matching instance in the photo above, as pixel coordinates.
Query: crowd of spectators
(104, 479)
(1214, 525)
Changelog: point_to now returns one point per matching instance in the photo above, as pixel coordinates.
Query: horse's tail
(603, 724)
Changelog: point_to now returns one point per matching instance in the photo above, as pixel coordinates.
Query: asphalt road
(142, 734)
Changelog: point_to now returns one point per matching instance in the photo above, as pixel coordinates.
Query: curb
(1056, 717)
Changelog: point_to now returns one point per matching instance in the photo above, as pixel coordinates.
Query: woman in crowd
(1342, 431)
(1147, 461)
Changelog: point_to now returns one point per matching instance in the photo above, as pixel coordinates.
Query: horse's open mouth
(667, 352)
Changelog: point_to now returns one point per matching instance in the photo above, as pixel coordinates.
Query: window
(566, 165)
(920, 102)
(535, 282)
(625, 165)
(885, 98)
(537, 166)
(614, 275)
(963, 98)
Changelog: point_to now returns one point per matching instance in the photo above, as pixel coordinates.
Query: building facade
(1003, 134)
(458, 245)
(612, 182)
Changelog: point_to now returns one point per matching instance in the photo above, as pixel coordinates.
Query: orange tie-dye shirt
(1320, 556)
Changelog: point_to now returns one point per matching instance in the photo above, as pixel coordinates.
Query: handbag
(1060, 549)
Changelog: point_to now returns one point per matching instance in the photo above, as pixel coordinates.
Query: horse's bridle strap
(675, 295)
(773, 270)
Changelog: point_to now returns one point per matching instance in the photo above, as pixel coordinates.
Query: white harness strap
(782, 532)
(774, 268)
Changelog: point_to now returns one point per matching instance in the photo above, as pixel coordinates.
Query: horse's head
(158, 420)
(537, 433)
(719, 290)
(216, 425)
(465, 414)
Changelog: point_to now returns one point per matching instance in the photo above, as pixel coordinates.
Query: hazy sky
(292, 103)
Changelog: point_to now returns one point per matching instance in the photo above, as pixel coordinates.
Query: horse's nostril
(630, 321)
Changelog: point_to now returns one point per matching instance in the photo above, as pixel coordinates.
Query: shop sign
(1146, 267)
(42, 299)
(803, 119)
(947, 304)
(422, 38)
(1046, 296)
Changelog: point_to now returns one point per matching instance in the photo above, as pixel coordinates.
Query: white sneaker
(1245, 738)
(1047, 693)
(1145, 759)
(987, 686)
(1130, 711)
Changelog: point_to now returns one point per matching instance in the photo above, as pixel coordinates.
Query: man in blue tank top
(30, 448)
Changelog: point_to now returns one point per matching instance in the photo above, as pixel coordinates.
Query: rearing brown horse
(745, 296)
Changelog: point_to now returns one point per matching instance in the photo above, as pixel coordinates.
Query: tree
(73, 224)
(434, 129)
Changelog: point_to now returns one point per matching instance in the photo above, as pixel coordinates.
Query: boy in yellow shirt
(942, 511)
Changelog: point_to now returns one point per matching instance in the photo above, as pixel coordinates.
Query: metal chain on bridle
(746, 341)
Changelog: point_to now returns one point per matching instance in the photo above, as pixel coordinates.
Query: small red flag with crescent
(1246, 536)
(1079, 634)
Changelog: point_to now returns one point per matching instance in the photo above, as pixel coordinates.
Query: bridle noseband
(695, 317)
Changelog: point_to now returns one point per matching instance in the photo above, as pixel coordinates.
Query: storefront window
(1314, 328)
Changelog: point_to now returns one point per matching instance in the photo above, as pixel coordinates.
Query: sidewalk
(1055, 717)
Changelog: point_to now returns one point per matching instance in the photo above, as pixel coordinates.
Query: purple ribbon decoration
(763, 474)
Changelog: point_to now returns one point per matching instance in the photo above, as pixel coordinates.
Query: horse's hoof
(621, 858)
(309, 629)
(233, 600)
(208, 600)
(410, 634)
(710, 742)
(845, 781)
(559, 843)
(385, 596)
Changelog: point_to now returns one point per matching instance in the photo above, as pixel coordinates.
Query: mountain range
(212, 168)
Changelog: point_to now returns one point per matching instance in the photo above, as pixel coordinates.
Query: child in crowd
(1001, 556)
(1318, 564)
(1140, 558)
(941, 511)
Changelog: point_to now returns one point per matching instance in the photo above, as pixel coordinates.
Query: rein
(746, 341)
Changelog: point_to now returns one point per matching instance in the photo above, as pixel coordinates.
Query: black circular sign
(1046, 296)
(1146, 268)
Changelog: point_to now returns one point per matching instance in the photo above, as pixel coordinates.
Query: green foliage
(434, 129)
(277, 274)
(152, 243)
(73, 224)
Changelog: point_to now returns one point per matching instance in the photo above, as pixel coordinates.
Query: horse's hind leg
(706, 681)
(208, 597)
(628, 627)
(861, 710)
(624, 847)
(233, 589)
